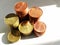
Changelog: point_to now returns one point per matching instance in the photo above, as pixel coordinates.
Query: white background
(51, 17)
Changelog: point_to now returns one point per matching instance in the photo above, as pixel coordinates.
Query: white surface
(51, 16)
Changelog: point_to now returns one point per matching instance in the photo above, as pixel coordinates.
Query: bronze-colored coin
(40, 26)
(20, 6)
(35, 12)
(21, 9)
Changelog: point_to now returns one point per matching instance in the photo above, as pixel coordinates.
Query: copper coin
(20, 6)
(21, 9)
(39, 26)
(35, 12)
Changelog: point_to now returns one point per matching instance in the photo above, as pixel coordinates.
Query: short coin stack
(24, 21)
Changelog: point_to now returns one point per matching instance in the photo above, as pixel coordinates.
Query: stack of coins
(24, 21)
(39, 28)
(21, 9)
(35, 13)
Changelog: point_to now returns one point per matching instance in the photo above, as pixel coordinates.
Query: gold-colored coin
(25, 27)
(12, 38)
(12, 19)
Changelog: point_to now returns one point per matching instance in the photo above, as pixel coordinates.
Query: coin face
(20, 6)
(12, 38)
(39, 26)
(26, 28)
(35, 12)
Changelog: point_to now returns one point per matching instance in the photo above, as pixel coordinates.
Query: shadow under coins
(5, 29)
(28, 37)
(4, 37)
